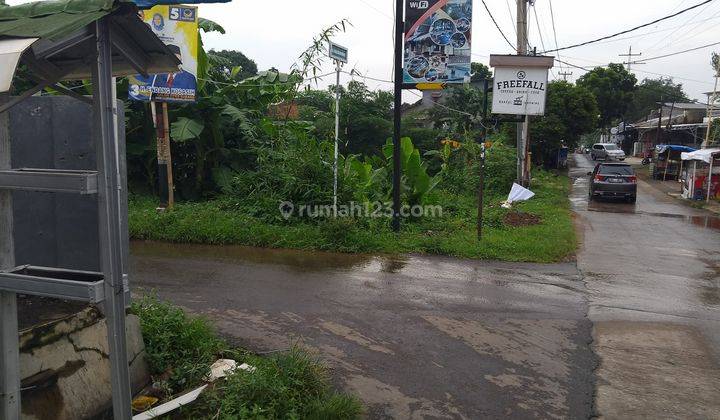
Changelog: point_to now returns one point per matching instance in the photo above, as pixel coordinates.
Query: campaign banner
(437, 41)
(177, 27)
(146, 4)
(520, 90)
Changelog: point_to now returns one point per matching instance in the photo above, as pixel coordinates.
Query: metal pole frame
(109, 226)
(9, 340)
(481, 182)
(397, 168)
(709, 187)
(338, 68)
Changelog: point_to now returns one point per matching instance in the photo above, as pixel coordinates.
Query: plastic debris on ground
(220, 369)
(144, 402)
(517, 193)
(171, 405)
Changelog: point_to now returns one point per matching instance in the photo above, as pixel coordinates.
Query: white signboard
(338, 52)
(520, 90)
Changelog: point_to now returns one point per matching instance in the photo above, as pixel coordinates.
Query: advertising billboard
(437, 41)
(177, 27)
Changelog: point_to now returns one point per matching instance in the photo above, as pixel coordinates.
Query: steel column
(9, 342)
(109, 187)
(397, 111)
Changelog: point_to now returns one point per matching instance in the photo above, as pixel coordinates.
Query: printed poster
(177, 27)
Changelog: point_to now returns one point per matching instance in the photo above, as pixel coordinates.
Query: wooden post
(164, 156)
(168, 155)
(9, 342)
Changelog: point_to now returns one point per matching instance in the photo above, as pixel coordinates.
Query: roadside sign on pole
(520, 84)
(338, 52)
(437, 41)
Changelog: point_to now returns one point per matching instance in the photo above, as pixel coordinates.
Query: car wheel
(631, 200)
(592, 157)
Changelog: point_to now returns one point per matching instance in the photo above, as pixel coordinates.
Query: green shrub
(286, 386)
(463, 172)
(176, 343)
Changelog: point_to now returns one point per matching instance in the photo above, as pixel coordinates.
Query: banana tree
(415, 182)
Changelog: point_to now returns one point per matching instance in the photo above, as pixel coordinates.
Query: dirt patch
(517, 219)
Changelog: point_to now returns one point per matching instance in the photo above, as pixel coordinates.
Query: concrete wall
(57, 230)
(65, 368)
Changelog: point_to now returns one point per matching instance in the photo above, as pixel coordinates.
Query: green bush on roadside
(291, 385)
(183, 347)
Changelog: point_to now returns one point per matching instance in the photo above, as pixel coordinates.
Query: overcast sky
(274, 33)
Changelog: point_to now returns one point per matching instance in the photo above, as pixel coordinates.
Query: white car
(606, 151)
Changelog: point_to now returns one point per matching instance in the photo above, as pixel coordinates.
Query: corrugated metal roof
(53, 19)
(145, 4)
(136, 49)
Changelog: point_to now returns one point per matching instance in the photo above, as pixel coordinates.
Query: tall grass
(180, 349)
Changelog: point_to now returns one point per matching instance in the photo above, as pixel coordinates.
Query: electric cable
(552, 18)
(498, 26)
(678, 52)
(628, 30)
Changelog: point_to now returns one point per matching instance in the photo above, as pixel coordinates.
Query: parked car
(615, 180)
(606, 151)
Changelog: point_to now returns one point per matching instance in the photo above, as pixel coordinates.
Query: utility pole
(397, 112)
(630, 56)
(565, 74)
(712, 97)
(523, 127)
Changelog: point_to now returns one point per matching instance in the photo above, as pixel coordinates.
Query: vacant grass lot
(454, 233)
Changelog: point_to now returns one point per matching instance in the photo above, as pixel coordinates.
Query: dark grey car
(616, 180)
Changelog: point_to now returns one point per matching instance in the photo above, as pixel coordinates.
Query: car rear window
(616, 170)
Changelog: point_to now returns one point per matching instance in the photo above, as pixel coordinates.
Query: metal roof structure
(62, 40)
(145, 4)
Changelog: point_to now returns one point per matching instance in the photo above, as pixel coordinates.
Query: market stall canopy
(55, 39)
(704, 155)
(146, 4)
(661, 148)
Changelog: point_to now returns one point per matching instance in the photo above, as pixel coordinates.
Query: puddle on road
(706, 222)
(579, 201)
(296, 260)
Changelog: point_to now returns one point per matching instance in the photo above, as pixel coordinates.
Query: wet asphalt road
(652, 272)
(434, 337)
(414, 337)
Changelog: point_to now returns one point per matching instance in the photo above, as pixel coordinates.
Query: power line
(654, 32)
(498, 26)
(512, 18)
(629, 30)
(376, 9)
(599, 64)
(685, 25)
(552, 18)
(542, 41)
(681, 52)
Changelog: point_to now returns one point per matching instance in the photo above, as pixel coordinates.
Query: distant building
(680, 123)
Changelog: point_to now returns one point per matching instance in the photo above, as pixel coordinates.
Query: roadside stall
(667, 162)
(700, 175)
